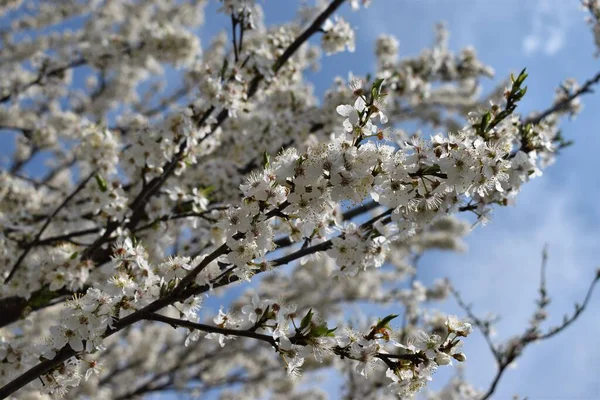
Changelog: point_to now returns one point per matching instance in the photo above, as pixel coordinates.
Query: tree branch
(174, 322)
(507, 353)
(586, 88)
(48, 220)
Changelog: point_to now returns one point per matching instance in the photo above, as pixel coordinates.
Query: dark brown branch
(46, 224)
(356, 211)
(561, 105)
(34, 182)
(210, 328)
(44, 73)
(52, 174)
(66, 236)
(166, 218)
(300, 40)
(297, 339)
(579, 309)
(481, 324)
(14, 308)
(163, 104)
(326, 245)
(236, 51)
(495, 382)
(506, 354)
(181, 292)
(304, 251)
(17, 165)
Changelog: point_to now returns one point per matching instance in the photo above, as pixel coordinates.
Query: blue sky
(500, 271)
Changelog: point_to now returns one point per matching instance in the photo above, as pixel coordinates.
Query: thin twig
(579, 309)
(66, 236)
(297, 339)
(234, 23)
(586, 88)
(506, 354)
(209, 328)
(48, 220)
(481, 324)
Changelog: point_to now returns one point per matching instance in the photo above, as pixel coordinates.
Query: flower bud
(443, 359)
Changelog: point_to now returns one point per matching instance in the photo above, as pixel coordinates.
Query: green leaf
(386, 320)
(319, 331)
(521, 78)
(322, 330)
(266, 160)
(522, 92)
(101, 183)
(188, 206)
(376, 88)
(485, 120)
(381, 324)
(41, 298)
(432, 169)
(306, 320)
(207, 190)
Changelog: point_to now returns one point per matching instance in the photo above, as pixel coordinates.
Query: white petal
(360, 104)
(344, 109)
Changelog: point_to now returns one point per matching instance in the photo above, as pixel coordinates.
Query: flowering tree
(160, 194)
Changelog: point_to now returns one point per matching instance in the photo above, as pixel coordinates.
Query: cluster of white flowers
(456, 389)
(354, 250)
(386, 50)
(420, 182)
(172, 44)
(298, 336)
(99, 148)
(85, 320)
(593, 6)
(563, 94)
(412, 78)
(338, 36)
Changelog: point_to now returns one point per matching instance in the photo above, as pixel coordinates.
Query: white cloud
(550, 22)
